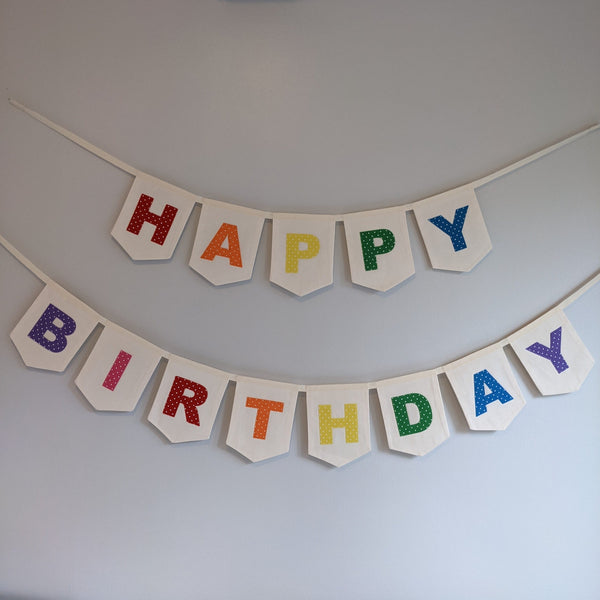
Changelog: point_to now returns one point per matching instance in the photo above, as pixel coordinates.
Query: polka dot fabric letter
(152, 219)
(143, 214)
(226, 243)
(53, 329)
(262, 418)
(425, 415)
(379, 248)
(338, 423)
(302, 252)
(117, 370)
(375, 242)
(228, 235)
(349, 423)
(486, 389)
(263, 412)
(294, 253)
(187, 394)
(453, 229)
(553, 354)
(413, 413)
(187, 400)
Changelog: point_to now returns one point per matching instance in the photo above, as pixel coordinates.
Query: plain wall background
(303, 106)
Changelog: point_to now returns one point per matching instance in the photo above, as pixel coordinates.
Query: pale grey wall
(306, 105)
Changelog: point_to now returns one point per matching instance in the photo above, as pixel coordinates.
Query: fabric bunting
(152, 219)
(117, 370)
(155, 212)
(226, 243)
(339, 429)
(185, 406)
(486, 389)
(413, 413)
(262, 418)
(453, 229)
(189, 395)
(187, 401)
(53, 329)
(302, 252)
(553, 354)
(379, 248)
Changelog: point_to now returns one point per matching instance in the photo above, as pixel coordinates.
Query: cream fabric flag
(379, 248)
(413, 413)
(486, 389)
(152, 219)
(553, 354)
(117, 370)
(53, 329)
(187, 401)
(262, 418)
(302, 252)
(453, 229)
(339, 430)
(226, 243)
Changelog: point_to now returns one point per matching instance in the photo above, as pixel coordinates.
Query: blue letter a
(482, 380)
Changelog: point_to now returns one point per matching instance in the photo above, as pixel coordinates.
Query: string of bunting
(185, 405)
(155, 213)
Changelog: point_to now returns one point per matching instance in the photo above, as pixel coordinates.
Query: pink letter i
(116, 371)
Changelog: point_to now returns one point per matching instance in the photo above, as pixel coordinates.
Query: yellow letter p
(292, 249)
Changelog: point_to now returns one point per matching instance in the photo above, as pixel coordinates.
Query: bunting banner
(187, 400)
(486, 389)
(152, 219)
(302, 252)
(379, 248)
(53, 329)
(553, 354)
(338, 423)
(262, 418)
(155, 212)
(453, 230)
(413, 413)
(189, 395)
(117, 370)
(226, 243)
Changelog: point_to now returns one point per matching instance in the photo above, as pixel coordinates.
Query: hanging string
(269, 215)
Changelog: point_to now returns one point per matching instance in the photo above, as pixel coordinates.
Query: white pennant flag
(187, 401)
(53, 329)
(117, 370)
(152, 219)
(379, 248)
(226, 243)
(553, 354)
(338, 423)
(413, 413)
(453, 229)
(486, 389)
(302, 252)
(262, 418)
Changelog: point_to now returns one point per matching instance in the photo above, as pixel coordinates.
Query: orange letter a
(232, 252)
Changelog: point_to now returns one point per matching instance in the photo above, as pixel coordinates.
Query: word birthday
(189, 395)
